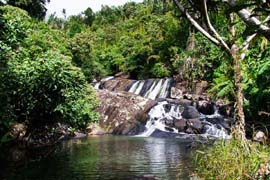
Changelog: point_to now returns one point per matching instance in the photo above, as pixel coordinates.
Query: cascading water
(215, 130)
(152, 89)
(165, 113)
(158, 114)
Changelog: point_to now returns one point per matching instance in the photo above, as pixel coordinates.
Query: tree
(35, 8)
(249, 13)
(89, 16)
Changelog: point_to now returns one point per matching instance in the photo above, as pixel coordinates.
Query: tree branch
(195, 24)
(250, 20)
(219, 38)
(246, 44)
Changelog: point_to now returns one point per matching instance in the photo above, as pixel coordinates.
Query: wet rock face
(118, 84)
(176, 108)
(123, 113)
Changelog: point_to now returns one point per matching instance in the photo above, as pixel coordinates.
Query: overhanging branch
(250, 20)
(195, 24)
(219, 38)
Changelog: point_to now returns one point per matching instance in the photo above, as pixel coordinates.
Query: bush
(46, 89)
(38, 83)
(230, 160)
(14, 24)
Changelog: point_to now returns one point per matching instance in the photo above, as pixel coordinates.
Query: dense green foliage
(230, 160)
(35, 8)
(39, 84)
(149, 40)
(45, 68)
(134, 38)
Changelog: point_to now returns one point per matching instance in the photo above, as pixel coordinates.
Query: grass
(230, 160)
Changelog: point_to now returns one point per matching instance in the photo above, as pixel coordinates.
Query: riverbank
(231, 160)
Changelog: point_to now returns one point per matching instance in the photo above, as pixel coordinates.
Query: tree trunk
(164, 6)
(239, 128)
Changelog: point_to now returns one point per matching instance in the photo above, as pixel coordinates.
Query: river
(107, 157)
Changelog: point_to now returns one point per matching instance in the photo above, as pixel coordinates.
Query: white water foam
(165, 111)
(157, 116)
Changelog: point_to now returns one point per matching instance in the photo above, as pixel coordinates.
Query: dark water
(107, 157)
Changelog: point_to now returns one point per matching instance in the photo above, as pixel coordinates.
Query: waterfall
(157, 115)
(163, 115)
(152, 89)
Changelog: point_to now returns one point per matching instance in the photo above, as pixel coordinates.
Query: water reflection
(109, 158)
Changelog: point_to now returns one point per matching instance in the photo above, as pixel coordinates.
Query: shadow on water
(108, 157)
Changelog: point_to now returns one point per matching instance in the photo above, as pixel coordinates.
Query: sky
(74, 7)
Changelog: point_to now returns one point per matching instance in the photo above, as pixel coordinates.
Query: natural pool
(108, 157)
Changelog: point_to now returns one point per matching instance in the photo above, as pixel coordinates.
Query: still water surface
(108, 157)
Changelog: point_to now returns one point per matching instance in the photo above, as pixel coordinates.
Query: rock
(226, 110)
(218, 120)
(95, 130)
(195, 124)
(161, 134)
(122, 75)
(201, 87)
(79, 135)
(169, 128)
(188, 96)
(205, 107)
(118, 84)
(189, 131)
(168, 122)
(185, 102)
(122, 113)
(186, 87)
(18, 131)
(190, 112)
(176, 93)
(180, 124)
(260, 137)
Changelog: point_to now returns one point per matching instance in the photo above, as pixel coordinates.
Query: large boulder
(190, 112)
(123, 113)
(196, 125)
(205, 107)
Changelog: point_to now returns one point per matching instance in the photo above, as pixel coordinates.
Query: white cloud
(74, 7)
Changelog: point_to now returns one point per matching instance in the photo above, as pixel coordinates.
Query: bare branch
(195, 24)
(250, 20)
(219, 38)
(246, 44)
